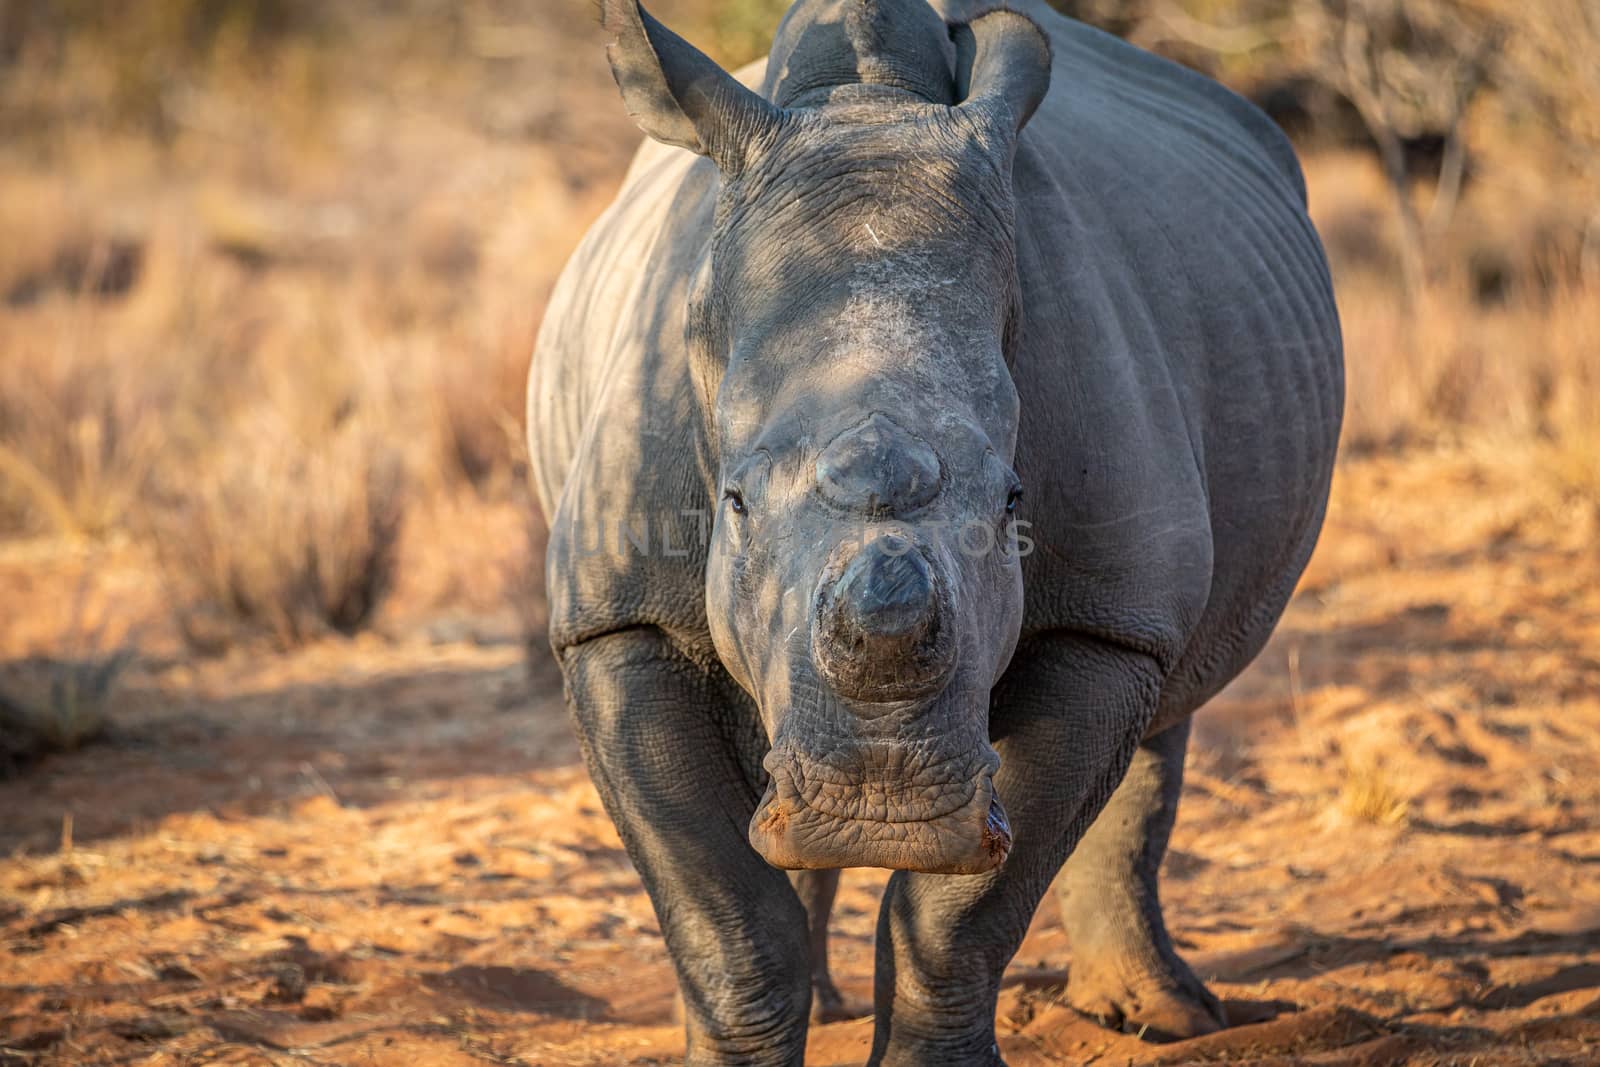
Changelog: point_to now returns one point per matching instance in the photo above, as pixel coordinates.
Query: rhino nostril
(877, 635)
(885, 595)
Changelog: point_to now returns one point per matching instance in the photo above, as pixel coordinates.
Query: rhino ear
(1002, 67)
(676, 93)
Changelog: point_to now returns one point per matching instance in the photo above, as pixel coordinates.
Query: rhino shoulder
(615, 425)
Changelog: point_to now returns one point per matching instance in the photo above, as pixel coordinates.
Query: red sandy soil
(385, 851)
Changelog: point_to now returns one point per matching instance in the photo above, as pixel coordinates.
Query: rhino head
(851, 329)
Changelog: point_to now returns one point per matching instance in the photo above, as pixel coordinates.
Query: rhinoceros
(944, 410)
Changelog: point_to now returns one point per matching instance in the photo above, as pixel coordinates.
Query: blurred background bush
(271, 269)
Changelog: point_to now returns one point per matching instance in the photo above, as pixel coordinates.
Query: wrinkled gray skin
(927, 258)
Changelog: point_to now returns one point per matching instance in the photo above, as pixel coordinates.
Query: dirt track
(384, 852)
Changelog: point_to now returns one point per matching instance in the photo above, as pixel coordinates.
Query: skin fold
(943, 412)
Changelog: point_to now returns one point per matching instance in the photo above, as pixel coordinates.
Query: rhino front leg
(1066, 720)
(1125, 971)
(662, 737)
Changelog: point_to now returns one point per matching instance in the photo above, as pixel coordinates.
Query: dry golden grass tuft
(79, 439)
(258, 303)
(1371, 793)
(479, 413)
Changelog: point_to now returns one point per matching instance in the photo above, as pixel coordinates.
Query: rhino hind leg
(1124, 971)
(816, 890)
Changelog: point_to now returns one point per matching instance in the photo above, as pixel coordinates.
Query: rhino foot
(1160, 1003)
(828, 1005)
(1125, 972)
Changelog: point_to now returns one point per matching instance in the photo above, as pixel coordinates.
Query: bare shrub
(283, 537)
(79, 430)
(49, 704)
(61, 702)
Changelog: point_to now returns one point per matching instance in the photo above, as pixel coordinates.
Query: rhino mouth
(816, 814)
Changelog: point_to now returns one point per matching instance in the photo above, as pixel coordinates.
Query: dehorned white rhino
(942, 413)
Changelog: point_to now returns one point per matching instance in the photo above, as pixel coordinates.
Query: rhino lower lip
(971, 838)
(879, 781)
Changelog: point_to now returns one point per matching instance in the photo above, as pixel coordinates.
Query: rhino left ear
(676, 93)
(1002, 67)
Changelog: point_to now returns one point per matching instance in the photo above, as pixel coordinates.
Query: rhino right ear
(1002, 67)
(676, 93)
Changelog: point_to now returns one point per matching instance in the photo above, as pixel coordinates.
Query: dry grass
(1451, 367)
(1505, 342)
(284, 538)
(79, 436)
(269, 283)
(1371, 793)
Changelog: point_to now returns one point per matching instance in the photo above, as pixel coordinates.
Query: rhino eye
(1013, 499)
(735, 500)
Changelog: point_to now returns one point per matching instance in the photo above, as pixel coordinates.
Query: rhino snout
(880, 632)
